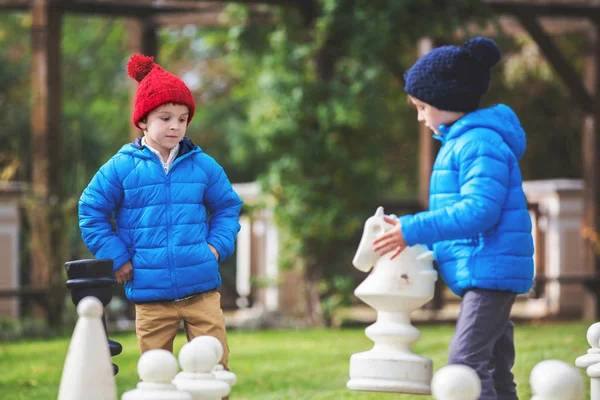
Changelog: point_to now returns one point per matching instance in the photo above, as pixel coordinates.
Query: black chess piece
(93, 278)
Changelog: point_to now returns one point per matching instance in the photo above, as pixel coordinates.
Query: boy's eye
(165, 119)
(182, 120)
(421, 108)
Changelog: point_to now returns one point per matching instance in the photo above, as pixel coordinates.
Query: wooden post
(143, 39)
(426, 145)
(590, 151)
(44, 210)
(427, 152)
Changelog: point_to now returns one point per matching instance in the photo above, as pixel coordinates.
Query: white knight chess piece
(394, 289)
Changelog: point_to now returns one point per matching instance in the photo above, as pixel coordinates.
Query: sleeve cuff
(217, 245)
(119, 261)
(407, 227)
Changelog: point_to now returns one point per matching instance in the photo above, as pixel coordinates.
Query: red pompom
(139, 66)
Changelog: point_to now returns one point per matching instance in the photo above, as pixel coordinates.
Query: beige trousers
(156, 323)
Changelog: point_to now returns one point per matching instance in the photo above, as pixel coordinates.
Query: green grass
(275, 365)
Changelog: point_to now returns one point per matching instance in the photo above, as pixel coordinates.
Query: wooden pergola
(583, 17)
(145, 16)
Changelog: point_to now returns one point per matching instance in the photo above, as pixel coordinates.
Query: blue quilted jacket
(164, 222)
(478, 221)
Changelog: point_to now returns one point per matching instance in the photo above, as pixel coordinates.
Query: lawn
(275, 365)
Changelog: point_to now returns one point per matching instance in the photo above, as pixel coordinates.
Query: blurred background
(302, 103)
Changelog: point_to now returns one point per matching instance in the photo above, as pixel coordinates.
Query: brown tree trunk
(313, 278)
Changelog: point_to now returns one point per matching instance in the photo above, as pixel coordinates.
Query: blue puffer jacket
(163, 221)
(478, 221)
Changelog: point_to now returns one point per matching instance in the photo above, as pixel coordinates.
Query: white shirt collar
(172, 155)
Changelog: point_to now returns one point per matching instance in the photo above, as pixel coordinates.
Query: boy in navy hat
(478, 223)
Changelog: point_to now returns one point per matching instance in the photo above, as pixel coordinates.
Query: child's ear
(142, 124)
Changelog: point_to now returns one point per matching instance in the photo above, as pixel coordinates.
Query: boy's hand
(125, 273)
(214, 251)
(393, 240)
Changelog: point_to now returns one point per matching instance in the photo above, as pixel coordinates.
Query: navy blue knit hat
(454, 78)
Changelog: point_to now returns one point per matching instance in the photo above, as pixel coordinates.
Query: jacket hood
(136, 149)
(499, 118)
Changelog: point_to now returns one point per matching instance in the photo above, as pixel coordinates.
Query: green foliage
(325, 110)
(553, 121)
(14, 96)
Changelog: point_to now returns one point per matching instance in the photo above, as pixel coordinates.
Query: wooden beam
(45, 209)
(546, 9)
(17, 5)
(590, 152)
(46, 96)
(562, 67)
(143, 39)
(209, 19)
(426, 146)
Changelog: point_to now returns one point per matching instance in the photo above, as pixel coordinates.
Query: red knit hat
(157, 87)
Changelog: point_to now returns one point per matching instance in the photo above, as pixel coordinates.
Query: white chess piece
(197, 359)
(156, 369)
(394, 288)
(219, 371)
(88, 372)
(591, 359)
(556, 380)
(456, 382)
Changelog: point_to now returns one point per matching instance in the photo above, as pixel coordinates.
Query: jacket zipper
(169, 252)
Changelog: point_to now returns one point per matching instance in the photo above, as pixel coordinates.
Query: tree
(327, 100)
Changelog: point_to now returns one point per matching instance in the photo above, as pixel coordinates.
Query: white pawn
(556, 380)
(197, 359)
(156, 369)
(219, 370)
(88, 371)
(591, 359)
(456, 382)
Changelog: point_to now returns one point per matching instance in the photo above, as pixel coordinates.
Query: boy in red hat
(175, 212)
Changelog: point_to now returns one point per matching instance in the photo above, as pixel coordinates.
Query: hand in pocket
(214, 251)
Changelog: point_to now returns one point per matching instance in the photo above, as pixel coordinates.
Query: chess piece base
(394, 372)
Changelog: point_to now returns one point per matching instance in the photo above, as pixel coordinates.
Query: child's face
(433, 117)
(165, 126)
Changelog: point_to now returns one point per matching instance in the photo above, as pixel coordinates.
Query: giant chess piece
(87, 373)
(456, 382)
(394, 289)
(93, 278)
(219, 371)
(591, 360)
(556, 380)
(156, 369)
(197, 359)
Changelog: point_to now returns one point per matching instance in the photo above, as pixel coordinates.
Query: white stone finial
(156, 369)
(591, 360)
(158, 366)
(88, 372)
(593, 335)
(198, 358)
(211, 341)
(456, 382)
(226, 376)
(556, 380)
(90, 307)
(219, 371)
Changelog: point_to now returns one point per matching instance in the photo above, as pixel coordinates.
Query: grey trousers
(484, 341)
